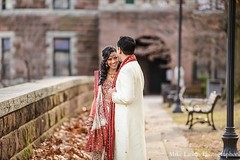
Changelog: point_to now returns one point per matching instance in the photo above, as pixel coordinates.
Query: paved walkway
(164, 139)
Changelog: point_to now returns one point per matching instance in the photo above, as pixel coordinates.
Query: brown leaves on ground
(67, 142)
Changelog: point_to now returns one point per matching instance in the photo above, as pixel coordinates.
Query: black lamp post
(178, 105)
(230, 138)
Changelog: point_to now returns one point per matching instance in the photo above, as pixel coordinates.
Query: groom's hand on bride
(111, 90)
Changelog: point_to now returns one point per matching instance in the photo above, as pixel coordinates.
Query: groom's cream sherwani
(129, 115)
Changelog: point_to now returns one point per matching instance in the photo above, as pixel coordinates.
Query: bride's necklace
(112, 75)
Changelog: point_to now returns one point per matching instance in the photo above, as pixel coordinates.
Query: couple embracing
(116, 121)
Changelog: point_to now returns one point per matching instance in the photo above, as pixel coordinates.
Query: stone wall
(28, 23)
(29, 112)
(30, 4)
(86, 4)
(31, 28)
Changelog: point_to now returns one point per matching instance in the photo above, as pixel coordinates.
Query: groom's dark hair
(126, 44)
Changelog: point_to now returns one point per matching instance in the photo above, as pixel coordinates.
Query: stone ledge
(15, 97)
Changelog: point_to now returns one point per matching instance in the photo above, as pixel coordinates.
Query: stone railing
(29, 112)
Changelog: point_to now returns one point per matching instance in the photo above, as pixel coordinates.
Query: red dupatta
(98, 133)
(111, 131)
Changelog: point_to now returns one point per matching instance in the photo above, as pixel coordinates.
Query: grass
(205, 142)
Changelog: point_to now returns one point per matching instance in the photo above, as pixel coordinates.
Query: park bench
(202, 107)
(194, 91)
(172, 96)
(186, 94)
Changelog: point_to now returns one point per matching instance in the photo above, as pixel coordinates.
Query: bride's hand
(89, 122)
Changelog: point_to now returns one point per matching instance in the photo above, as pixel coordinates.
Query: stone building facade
(47, 38)
(154, 25)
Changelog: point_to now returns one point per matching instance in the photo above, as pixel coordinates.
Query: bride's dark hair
(104, 67)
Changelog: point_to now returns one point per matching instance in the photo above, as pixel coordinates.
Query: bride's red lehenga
(98, 140)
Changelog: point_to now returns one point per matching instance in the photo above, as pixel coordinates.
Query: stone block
(30, 112)
(66, 108)
(61, 97)
(61, 108)
(21, 117)
(41, 107)
(23, 138)
(65, 95)
(9, 123)
(37, 129)
(1, 127)
(70, 93)
(52, 117)
(12, 144)
(56, 100)
(17, 141)
(4, 142)
(83, 88)
(75, 91)
(31, 131)
(58, 114)
(1, 147)
(45, 122)
(8, 146)
(50, 103)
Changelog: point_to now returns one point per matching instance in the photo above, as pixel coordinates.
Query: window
(201, 70)
(7, 4)
(3, 4)
(61, 4)
(5, 44)
(61, 57)
(5, 58)
(204, 5)
(130, 1)
(219, 5)
(61, 45)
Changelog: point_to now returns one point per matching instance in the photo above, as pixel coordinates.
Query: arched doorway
(154, 57)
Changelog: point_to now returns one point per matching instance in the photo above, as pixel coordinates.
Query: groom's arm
(124, 93)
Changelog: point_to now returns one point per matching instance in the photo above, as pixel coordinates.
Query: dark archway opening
(158, 75)
(154, 57)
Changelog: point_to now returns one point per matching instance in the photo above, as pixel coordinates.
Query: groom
(128, 98)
